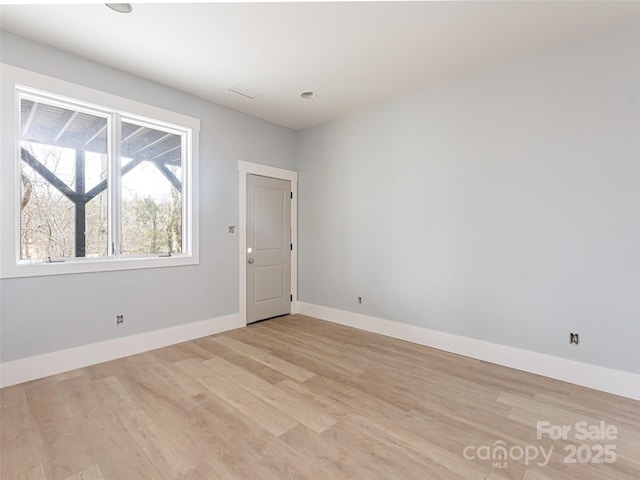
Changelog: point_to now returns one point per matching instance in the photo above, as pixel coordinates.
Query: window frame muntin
(10, 264)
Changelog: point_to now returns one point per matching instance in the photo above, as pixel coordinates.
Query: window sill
(93, 265)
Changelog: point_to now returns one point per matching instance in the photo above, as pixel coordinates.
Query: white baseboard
(295, 307)
(618, 382)
(39, 366)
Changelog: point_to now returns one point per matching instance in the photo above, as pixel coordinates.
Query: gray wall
(45, 314)
(504, 206)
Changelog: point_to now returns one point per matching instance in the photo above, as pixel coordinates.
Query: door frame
(248, 168)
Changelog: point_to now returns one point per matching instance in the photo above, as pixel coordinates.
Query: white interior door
(268, 247)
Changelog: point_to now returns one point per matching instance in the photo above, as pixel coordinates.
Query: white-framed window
(91, 181)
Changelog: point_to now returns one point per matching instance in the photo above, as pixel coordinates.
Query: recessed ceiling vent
(245, 92)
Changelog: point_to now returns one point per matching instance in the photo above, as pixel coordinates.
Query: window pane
(151, 190)
(63, 175)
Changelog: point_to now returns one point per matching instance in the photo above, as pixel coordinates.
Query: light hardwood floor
(297, 397)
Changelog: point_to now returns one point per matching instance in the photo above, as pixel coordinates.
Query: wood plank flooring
(299, 398)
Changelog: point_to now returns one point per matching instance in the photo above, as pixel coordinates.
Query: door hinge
(291, 245)
(291, 193)
(291, 297)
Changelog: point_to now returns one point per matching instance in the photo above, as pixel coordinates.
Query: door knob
(250, 260)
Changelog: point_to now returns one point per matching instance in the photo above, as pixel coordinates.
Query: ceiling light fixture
(120, 7)
(309, 95)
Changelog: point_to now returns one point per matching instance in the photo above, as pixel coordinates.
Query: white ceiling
(353, 54)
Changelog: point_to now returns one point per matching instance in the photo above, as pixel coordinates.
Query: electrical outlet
(119, 319)
(359, 299)
(574, 338)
